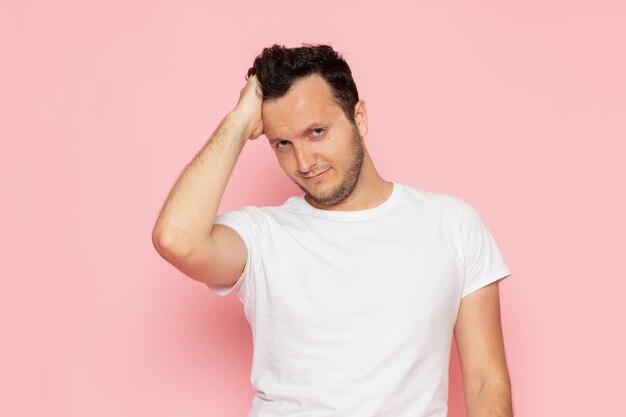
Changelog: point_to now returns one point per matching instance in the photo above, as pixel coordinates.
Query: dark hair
(277, 68)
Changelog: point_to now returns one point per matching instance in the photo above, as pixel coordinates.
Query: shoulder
(259, 214)
(436, 200)
(442, 207)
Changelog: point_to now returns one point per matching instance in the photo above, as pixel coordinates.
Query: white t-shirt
(353, 312)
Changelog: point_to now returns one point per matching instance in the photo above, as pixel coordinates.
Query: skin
(310, 134)
(354, 161)
(480, 344)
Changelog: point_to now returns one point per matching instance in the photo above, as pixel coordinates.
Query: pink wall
(519, 109)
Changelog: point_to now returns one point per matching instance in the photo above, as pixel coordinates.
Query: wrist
(239, 122)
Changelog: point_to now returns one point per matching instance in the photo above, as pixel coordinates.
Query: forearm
(492, 400)
(189, 212)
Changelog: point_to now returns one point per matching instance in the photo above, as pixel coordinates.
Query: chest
(357, 279)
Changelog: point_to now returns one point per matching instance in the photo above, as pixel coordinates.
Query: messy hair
(277, 68)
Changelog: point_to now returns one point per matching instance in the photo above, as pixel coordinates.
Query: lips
(318, 176)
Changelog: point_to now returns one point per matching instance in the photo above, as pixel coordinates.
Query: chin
(335, 195)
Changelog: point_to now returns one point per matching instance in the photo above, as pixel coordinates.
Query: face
(316, 145)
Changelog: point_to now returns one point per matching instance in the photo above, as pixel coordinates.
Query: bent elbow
(167, 245)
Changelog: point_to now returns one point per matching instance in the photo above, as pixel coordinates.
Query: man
(353, 291)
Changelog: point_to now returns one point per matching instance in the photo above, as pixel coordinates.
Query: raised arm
(184, 233)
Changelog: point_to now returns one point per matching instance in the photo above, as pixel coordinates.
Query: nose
(305, 158)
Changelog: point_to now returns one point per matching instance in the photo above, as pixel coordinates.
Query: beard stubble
(346, 187)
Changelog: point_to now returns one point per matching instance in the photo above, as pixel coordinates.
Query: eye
(317, 131)
(282, 144)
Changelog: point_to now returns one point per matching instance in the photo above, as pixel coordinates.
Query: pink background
(520, 109)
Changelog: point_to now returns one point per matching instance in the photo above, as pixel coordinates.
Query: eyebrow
(311, 126)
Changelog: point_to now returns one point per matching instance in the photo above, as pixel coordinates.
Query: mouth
(317, 177)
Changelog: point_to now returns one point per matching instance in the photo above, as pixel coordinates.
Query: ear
(360, 117)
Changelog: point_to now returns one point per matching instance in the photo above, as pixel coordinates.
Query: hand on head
(250, 107)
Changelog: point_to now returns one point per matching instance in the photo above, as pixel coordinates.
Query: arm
(184, 233)
(478, 334)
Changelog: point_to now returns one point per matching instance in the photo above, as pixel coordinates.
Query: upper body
(352, 312)
(316, 124)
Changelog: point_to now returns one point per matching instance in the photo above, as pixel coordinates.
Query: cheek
(343, 149)
(332, 148)
(286, 161)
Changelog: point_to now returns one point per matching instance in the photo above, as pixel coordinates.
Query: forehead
(309, 100)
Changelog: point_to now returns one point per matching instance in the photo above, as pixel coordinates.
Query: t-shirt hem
(491, 278)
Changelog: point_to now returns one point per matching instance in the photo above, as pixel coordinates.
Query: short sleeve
(241, 221)
(483, 261)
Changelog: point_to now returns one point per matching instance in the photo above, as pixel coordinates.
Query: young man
(354, 290)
